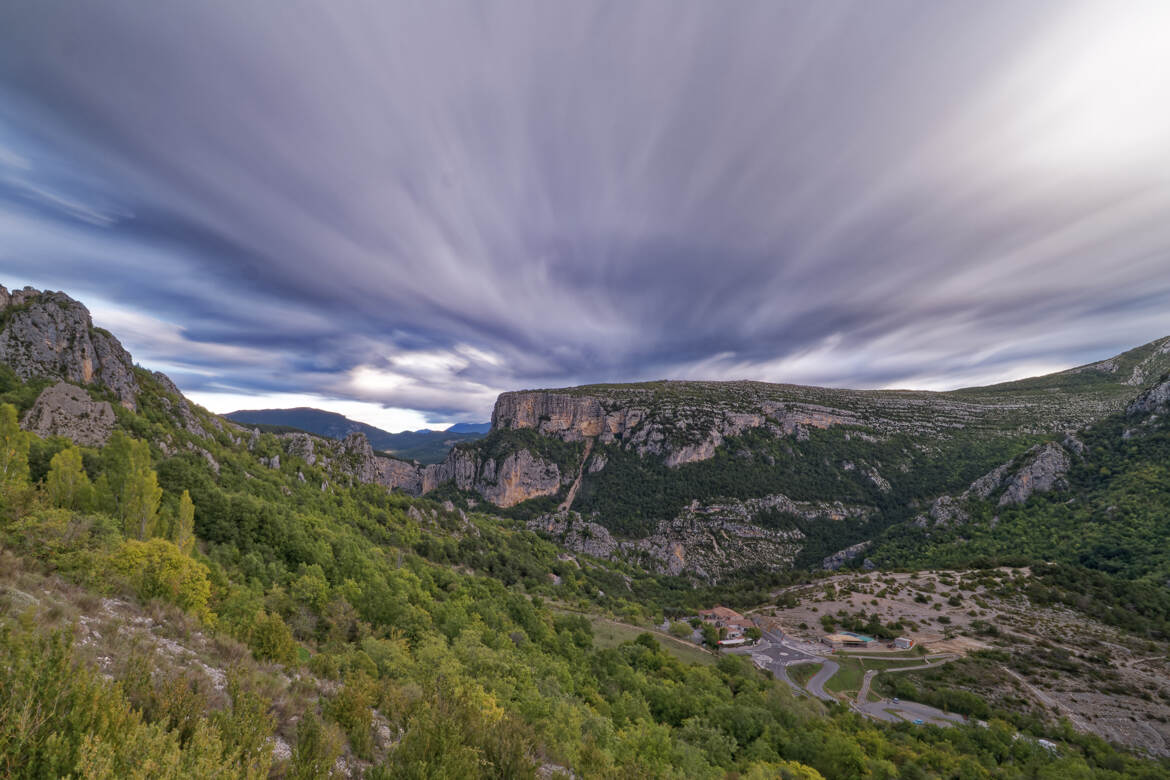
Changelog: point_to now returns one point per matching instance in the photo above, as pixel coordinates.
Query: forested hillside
(183, 597)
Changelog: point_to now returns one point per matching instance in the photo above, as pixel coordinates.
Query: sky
(398, 210)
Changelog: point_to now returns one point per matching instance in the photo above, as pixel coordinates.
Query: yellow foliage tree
(158, 569)
(66, 485)
(185, 525)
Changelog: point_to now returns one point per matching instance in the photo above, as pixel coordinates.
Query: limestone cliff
(685, 431)
(48, 334)
(504, 481)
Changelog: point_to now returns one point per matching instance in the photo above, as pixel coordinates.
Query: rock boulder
(67, 410)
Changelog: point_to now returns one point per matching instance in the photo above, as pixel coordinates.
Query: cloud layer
(418, 206)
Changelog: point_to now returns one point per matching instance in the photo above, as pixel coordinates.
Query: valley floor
(1055, 662)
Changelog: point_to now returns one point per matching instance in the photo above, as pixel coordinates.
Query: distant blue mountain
(482, 428)
(425, 446)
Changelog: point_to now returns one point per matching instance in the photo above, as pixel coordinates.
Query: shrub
(271, 639)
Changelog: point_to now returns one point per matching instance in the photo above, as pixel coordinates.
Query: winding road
(776, 652)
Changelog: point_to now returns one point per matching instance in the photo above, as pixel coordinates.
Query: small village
(723, 627)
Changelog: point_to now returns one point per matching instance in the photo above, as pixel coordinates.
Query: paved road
(816, 686)
(908, 710)
(927, 663)
(776, 652)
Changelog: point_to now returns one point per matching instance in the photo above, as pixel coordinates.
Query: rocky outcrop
(67, 410)
(575, 533)
(841, 557)
(706, 549)
(515, 477)
(182, 411)
(709, 547)
(48, 334)
(989, 482)
(565, 416)
(1151, 401)
(705, 541)
(948, 510)
(1042, 471)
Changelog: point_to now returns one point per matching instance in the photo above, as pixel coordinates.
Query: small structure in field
(904, 643)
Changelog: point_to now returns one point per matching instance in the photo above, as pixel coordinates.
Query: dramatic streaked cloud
(403, 209)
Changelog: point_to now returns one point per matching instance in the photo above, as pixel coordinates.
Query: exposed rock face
(48, 334)
(1044, 470)
(682, 433)
(841, 557)
(516, 477)
(707, 542)
(1153, 400)
(577, 534)
(568, 417)
(67, 410)
(710, 547)
(947, 510)
(181, 409)
(705, 549)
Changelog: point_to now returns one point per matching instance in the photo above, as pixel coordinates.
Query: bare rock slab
(67, 410)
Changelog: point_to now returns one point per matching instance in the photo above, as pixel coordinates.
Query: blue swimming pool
(861, 637)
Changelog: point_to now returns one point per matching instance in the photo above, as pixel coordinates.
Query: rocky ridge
(1152, 401)
(682, 433)
(50, 335)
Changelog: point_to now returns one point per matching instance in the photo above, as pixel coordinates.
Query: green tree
(66, 484)
(13, 449)
(15, 491)
(130, 486)
(185, 525)
(271, 639)
(311, 588)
